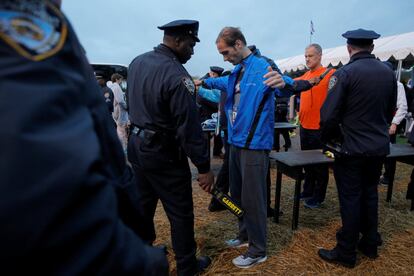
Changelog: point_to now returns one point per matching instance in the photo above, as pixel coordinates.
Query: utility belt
(152, 136)
(155, 139)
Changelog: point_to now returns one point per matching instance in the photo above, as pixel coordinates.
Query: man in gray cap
(165, 131)
(356, 113)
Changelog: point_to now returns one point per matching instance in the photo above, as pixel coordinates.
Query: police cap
(216, 69)
(360, 37)
(180, 27)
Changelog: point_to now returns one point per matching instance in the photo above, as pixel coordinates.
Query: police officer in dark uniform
(357, 111)
(166, 130)
(61, 161)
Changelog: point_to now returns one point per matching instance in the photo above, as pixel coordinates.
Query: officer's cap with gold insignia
(177, 27)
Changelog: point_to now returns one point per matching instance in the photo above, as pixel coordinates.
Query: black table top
(301, 158)
(313, 157)
(277, 126)
(285, 126)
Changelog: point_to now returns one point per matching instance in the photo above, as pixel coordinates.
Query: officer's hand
(273, 79)
(393, 129)
(206, 180)
(198, 82)
(314, 81)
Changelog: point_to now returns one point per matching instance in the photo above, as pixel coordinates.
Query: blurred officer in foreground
(61, 160)
(166, 129)
(359, 107)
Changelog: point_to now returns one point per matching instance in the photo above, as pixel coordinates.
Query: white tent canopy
(397, 46)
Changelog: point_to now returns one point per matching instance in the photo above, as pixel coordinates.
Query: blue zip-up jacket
(212, 95)
(253, 90)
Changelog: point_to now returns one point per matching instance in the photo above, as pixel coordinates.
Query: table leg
(277, 196)
(412, 205)
(391, 183)
(296, 200)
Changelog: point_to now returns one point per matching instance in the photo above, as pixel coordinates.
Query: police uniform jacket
(60, 159)
(162, 100)
(359, 106)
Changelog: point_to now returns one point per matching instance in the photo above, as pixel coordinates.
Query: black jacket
(359, 106)
(162, 99)
(60, 161)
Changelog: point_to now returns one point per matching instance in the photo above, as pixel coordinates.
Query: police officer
(60, 157)
(166, 129)
(357, 111)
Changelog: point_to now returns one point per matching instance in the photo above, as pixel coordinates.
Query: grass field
(295, 252)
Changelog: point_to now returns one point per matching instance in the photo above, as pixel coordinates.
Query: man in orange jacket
(316, 179)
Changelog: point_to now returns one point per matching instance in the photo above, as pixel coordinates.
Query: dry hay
(295, 252)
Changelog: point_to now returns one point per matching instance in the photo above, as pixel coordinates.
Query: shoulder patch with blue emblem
(33, 37)
(332, 82)
(189, 84)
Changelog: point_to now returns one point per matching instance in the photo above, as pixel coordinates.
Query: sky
(117, 31)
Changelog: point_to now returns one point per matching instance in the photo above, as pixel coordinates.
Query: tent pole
(399, 69)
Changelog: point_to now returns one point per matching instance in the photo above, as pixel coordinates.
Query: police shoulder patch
(189, 84)
(332, 82)
(33, 37)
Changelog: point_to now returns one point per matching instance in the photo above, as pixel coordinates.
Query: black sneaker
(312, 203)
(303, 196)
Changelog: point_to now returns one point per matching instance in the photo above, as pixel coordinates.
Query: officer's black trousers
(357, 180)
(316, 178)
(173, 188)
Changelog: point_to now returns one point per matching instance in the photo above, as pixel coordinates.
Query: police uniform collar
(361, 55)
(162, 48)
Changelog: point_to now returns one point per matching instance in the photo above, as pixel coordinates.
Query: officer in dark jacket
(166, 129)
(60, 158)
(360, 104)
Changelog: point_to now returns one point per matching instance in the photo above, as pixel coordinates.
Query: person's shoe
(371, 253)
(332, 256)
(384, 181)
(303, 196)
(236, 243)
(203, 262)
(243, 261)
(312, 203)
(215, 206)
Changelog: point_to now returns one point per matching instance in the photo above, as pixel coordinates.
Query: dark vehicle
(105, 70)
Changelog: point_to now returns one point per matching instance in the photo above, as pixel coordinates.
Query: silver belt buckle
(135, 130)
